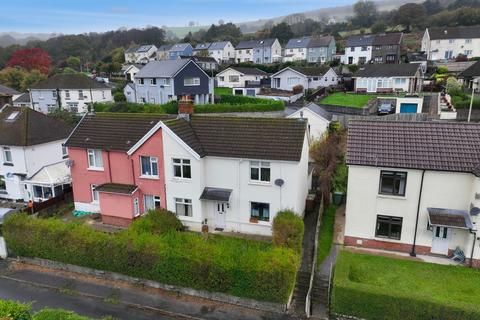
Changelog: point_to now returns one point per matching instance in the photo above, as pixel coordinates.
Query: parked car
(385, 108)
(5, 212)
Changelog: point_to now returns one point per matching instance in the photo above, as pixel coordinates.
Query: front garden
(155, 248)
(377, 287)
(354, 100)
(226, 103)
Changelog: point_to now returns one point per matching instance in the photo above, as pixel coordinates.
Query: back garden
(156, 248)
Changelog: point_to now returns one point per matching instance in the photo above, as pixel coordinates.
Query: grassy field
(348, 100)
(375, 287)
(220, 91)
(325, 238)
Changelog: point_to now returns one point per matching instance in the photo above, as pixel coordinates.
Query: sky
(73, 16)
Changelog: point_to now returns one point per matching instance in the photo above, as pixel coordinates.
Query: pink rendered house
(116, 170)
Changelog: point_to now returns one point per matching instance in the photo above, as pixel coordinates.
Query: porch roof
(117, 188)
(459, 219)
(56, 174)
(216, 194)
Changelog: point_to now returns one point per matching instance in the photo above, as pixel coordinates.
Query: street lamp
(474, 82)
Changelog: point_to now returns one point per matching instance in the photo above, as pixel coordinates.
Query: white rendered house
(307, 77)
(413, 188)
(449, 43)
(318, 119)
(238, 77)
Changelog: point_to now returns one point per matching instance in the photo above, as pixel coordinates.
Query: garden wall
(365, 111)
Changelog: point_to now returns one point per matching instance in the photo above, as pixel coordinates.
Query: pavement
(98, 298)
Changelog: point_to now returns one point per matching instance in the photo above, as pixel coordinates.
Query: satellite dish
(474, 211)
(279, 182)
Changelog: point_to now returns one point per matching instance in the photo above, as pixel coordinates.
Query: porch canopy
(216, 194)
(118, 188)
(53, 174)
(458, 219)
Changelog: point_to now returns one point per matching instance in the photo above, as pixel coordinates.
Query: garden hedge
(12, 310)
(238, 267)
(352, 296)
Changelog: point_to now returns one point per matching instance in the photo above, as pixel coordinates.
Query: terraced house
(311, 49)
(259, 51)
(386, 48)
(196, 166)
(414, 187)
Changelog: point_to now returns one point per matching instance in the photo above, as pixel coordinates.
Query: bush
(233, 266)
(157, 222)
(57, 314)
(247, 107)
(119, 97)
(10, 310)
(129, 107)
(288, 230)
(453, 87)
(297, 89)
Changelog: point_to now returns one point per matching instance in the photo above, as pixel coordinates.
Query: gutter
(413, 253)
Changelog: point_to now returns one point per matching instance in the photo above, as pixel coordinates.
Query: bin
(337, 198)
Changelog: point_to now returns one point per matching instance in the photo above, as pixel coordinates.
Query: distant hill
(181, 32)
(11, 38)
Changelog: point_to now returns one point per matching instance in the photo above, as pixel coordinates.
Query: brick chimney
(185, 108)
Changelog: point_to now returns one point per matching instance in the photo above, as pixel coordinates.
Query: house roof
(164, 47)
(387, 70)
(250, 44)
(387, 38)
(203, 46)
(450, 218)
(298, 43)
(29, 127)
(23, 98)
(113, 131)
(162, 68)
(116, 188)
(316, 42)
(454, 66)
(56, 173)
(472, 71)
(312, 107)
(200, 59)
(361, 40)
(454, 33)
(218, 45)
(443, 146)
(70, 81)
(250, 71)
(416, 57)
(311, 71)
(260, 138)
(180, 47)
(139, 49)
(8, 91)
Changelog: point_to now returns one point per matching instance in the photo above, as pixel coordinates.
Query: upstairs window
(54, 94)
(468, 40)
(7, 155)
(393, 183)
(149, 166)
(95, 158)
(191, 81)
(260, 171)
(140, 81)
(153, 81)
(182, 168)
(352, 49)
(80, 94)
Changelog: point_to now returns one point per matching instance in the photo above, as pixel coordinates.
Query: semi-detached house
(262, 51)
(222, 51)
(311, 49)
(196, 166)
(449, 43)
(414, 187)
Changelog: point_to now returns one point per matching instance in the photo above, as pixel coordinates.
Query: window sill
(260, 223)
(65, 156)
(260, 183)
(149, 177)
(8, 164)
(386, 196)
(95, 169)
(387, 239)
(177, 179)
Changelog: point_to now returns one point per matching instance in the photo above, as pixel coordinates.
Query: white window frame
(233, 78)
(195, 81)
(7, 155)
(154, 199)
(184, 202)
(136, 207)
(43, 195)
(260, 166)
(181, 163)
(93, 159)
(94, 194)
(153, 161)
(67, 94)
(80, 94)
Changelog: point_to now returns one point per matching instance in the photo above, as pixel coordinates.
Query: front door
(372, 85)
(440, 240)
(220, 212)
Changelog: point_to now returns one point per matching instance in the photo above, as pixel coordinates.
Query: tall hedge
(233, 266)
(354, 296)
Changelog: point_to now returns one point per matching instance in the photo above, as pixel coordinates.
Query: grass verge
(325, 238)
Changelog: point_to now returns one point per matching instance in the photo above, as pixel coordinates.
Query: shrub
(119, 97)
(233, 266)
(157, 222)
(57, 314)
(297, 89)
(10, 310)
(453, 87)
(288, 230)
(442, 70)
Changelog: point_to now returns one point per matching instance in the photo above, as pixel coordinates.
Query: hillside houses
(311, 49)
(262, 51)
(449, 43)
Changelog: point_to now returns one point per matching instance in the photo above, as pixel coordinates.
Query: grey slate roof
(113, 131)
(141, 48)
(317, 42)
(312, 107)
(442, 146)
(179, 47)
(454, 33)
(360, 41)
(203, 46)
(250, 71)
(216, 194)
(69, 81)
(387, 39)
(450, 217)
(472, 71)
(250, 44)
(30, 127)
(24, 98)
(8, 91)
(242, 137)
(200, 59)
(298, 43)
(312, 71)
(161, 69)
(218, 45)
(165, 47)
(387, 70)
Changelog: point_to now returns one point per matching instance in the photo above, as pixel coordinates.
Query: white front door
(372, 85)
(220, 212)
(440, 240)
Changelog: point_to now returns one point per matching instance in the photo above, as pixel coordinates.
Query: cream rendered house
(448, 43)
(238, 77)
(414, 187)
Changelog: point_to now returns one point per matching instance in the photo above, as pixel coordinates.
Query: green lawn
(349, 100)
(220, 91)
(325, 238)
(375, 287)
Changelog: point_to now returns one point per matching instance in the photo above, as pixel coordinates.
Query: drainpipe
(413, 253)
(109, 167)
(473, 248)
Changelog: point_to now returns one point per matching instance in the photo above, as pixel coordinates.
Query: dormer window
(12, 116)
